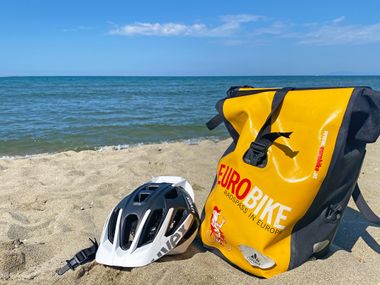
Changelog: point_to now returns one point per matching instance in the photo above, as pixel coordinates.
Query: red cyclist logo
(215, 233)
(216, 227)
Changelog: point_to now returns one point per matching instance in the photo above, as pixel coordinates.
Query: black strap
(256, 154)
(232, 92)
(214, 122)
(278, 98)
(363, 206)
(268, 139)
(235, 91)
(257, 151)
(81, 257)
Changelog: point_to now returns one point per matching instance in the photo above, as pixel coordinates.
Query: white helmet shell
(156, 219)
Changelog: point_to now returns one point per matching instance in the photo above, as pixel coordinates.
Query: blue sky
(239, 37)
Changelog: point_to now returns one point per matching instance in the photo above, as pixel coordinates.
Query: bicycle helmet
(156, 219)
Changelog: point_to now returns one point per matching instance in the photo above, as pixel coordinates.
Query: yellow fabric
(292, 177)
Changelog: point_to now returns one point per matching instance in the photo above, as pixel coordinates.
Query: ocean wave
(192, 141)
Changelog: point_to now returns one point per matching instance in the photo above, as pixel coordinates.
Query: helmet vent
(152, 187)
(112, 225)
(151, 227)
(193, 228)
(171, 194)
(177, 217)
(128, 231)
(141, 197)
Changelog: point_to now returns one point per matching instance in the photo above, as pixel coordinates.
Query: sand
(51, 204)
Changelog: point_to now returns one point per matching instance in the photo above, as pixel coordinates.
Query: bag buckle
(256, 154)
(258, 148)
(333, 213)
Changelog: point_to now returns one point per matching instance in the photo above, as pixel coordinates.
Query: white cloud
(275, 29)
(337, 34)
(157, 29)
(230, 24)
(236, 30)
(338, 20)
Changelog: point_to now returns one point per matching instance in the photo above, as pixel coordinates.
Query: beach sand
(51, 204)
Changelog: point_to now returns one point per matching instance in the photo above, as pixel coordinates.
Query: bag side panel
(315, 231)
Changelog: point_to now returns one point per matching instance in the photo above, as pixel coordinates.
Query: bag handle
(363, 206)
(214, 122)
(256, 154)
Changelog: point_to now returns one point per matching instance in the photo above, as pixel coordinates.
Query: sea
(55, 114)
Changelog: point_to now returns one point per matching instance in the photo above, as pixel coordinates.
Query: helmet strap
(84, 256)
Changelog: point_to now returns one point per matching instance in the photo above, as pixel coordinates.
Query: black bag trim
(235, 92)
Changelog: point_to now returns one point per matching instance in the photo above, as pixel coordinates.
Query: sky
(189, 38)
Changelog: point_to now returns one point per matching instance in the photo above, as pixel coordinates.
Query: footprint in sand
(17, 232)
(12, 258)
(19, 217)
(23, 231)
(2, 168)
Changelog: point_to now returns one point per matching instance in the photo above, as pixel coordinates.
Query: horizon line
(275, 75)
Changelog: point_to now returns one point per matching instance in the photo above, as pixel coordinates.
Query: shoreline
(191, 141)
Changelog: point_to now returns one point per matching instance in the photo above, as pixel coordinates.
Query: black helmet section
(158, 198)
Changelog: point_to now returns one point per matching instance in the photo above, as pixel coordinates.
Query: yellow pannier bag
(283, 184)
